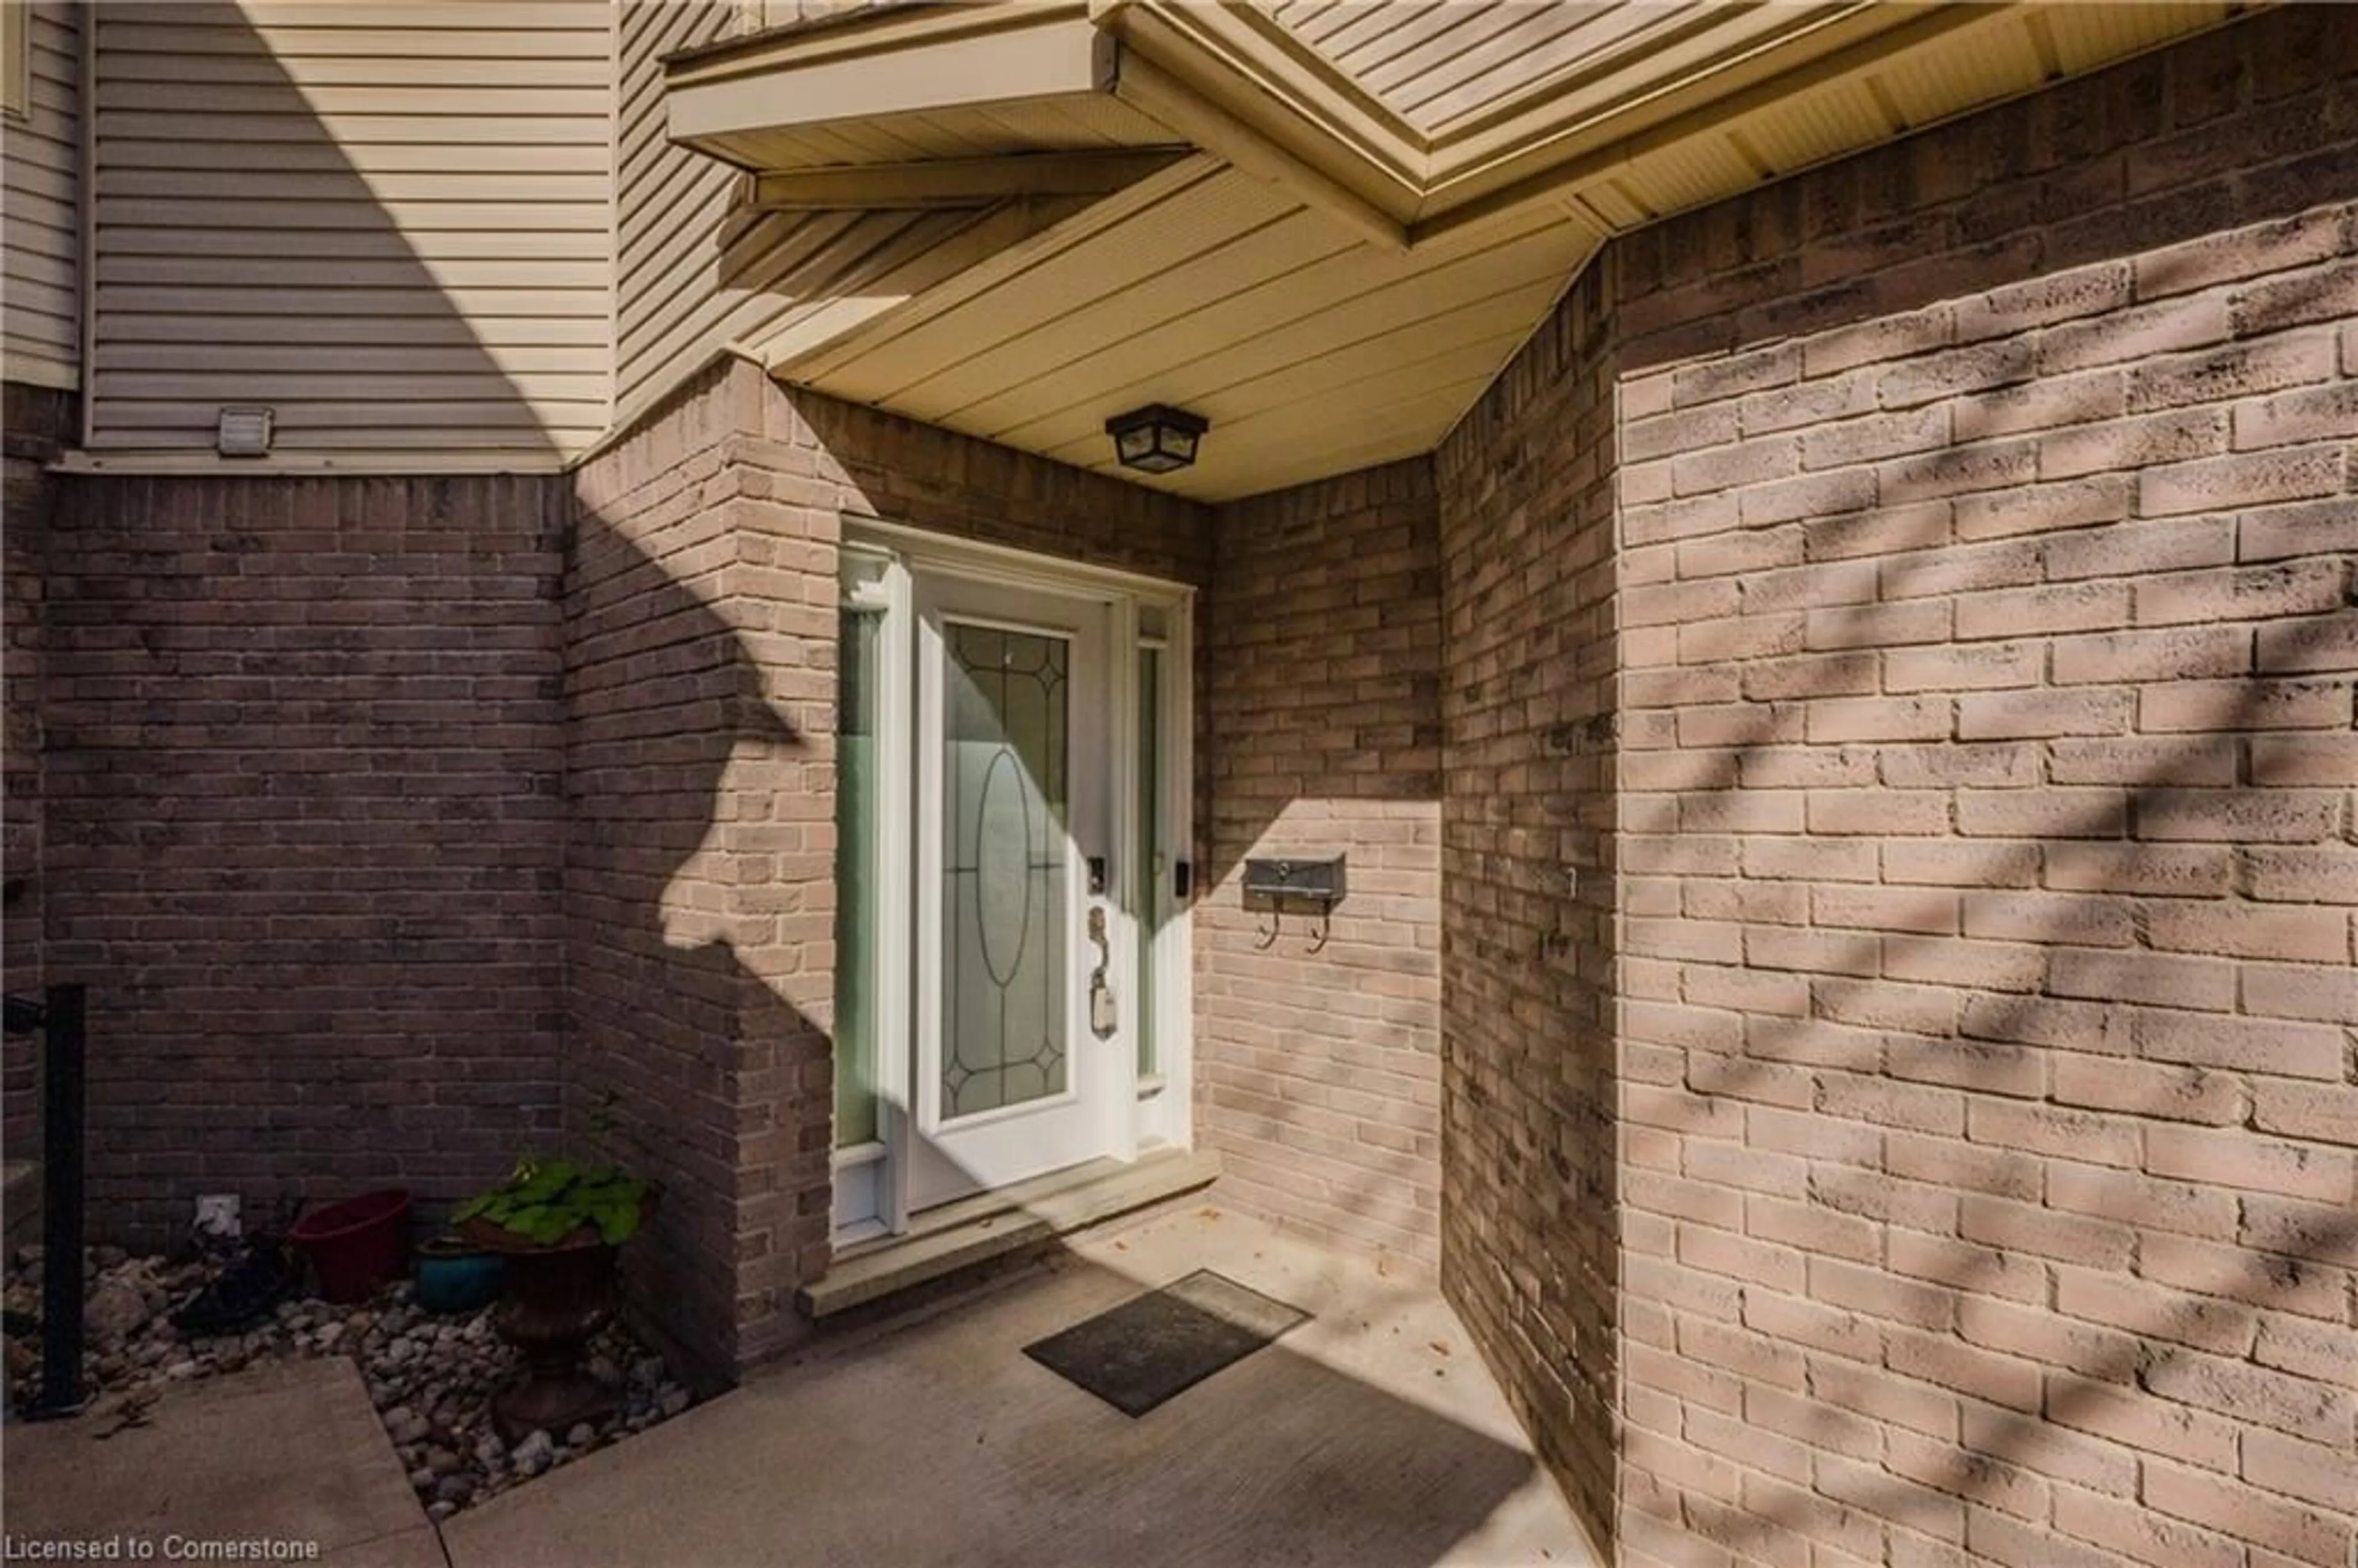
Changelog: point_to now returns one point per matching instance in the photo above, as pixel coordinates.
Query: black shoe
(246, 1289)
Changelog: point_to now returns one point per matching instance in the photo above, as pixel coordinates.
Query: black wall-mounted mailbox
(1309, 881)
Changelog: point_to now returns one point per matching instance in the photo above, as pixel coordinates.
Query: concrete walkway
(1370, 1437)
(288, 1455)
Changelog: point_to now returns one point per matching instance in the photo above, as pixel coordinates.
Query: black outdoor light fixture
(1156, 438)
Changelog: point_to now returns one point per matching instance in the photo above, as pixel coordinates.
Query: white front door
(1026, 1057)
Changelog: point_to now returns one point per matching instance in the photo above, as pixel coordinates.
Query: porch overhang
(1329, 280)
(926, 184)
(897, 84)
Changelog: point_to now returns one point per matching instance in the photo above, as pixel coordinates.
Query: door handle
(1103, 1017)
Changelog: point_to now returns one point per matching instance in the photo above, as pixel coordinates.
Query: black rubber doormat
(1166, 1342)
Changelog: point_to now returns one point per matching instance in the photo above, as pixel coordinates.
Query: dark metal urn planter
(559, 1229)
(555, 1300)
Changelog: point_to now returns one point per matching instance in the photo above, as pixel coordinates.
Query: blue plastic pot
(457, 1276)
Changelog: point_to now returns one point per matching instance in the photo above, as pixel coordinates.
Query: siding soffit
(1385, 201)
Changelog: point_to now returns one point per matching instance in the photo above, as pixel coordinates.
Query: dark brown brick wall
(302, 831)
(37, 422)
(1528, 1239)
(1317, 1053)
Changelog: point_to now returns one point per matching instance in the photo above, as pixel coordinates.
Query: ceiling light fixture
(1156, 438)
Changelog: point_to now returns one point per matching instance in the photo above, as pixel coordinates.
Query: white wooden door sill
(990, 1225)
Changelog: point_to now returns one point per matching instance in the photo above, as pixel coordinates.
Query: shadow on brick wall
(303, 743)
(1533, 1162)
(698, 871)
(2157, 1353)
(2063, 1228)
(683, 1060)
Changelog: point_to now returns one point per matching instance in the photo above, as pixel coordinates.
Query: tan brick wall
(699, 876)
(302, 841)
(1528, 1237)
(922, 476)
(1985, 890)
(698, 880)
(1318, 1061)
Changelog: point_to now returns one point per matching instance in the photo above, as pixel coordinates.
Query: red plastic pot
(358, 1245)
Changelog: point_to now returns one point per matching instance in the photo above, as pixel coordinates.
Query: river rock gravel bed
(431, 1376)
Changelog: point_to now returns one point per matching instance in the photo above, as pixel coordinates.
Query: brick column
(699, 879)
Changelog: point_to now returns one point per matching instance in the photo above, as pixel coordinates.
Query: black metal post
(62, 1229)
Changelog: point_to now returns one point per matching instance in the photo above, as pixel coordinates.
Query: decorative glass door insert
(1005, 761)
(1025, 1054)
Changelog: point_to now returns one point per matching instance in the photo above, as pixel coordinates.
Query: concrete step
(989, 1228)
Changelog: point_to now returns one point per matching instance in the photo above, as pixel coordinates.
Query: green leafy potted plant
(560, 1225)
(556, 1202)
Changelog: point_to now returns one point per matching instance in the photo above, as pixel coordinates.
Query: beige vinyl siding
(40, 212)
(390, 223)
(694, 273)
(697, 273)
(1433, 62)
(669, 308)
(760, 16)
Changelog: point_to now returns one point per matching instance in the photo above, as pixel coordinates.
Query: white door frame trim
(880, 1203)
(1164, 1110)
(1004, 563)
